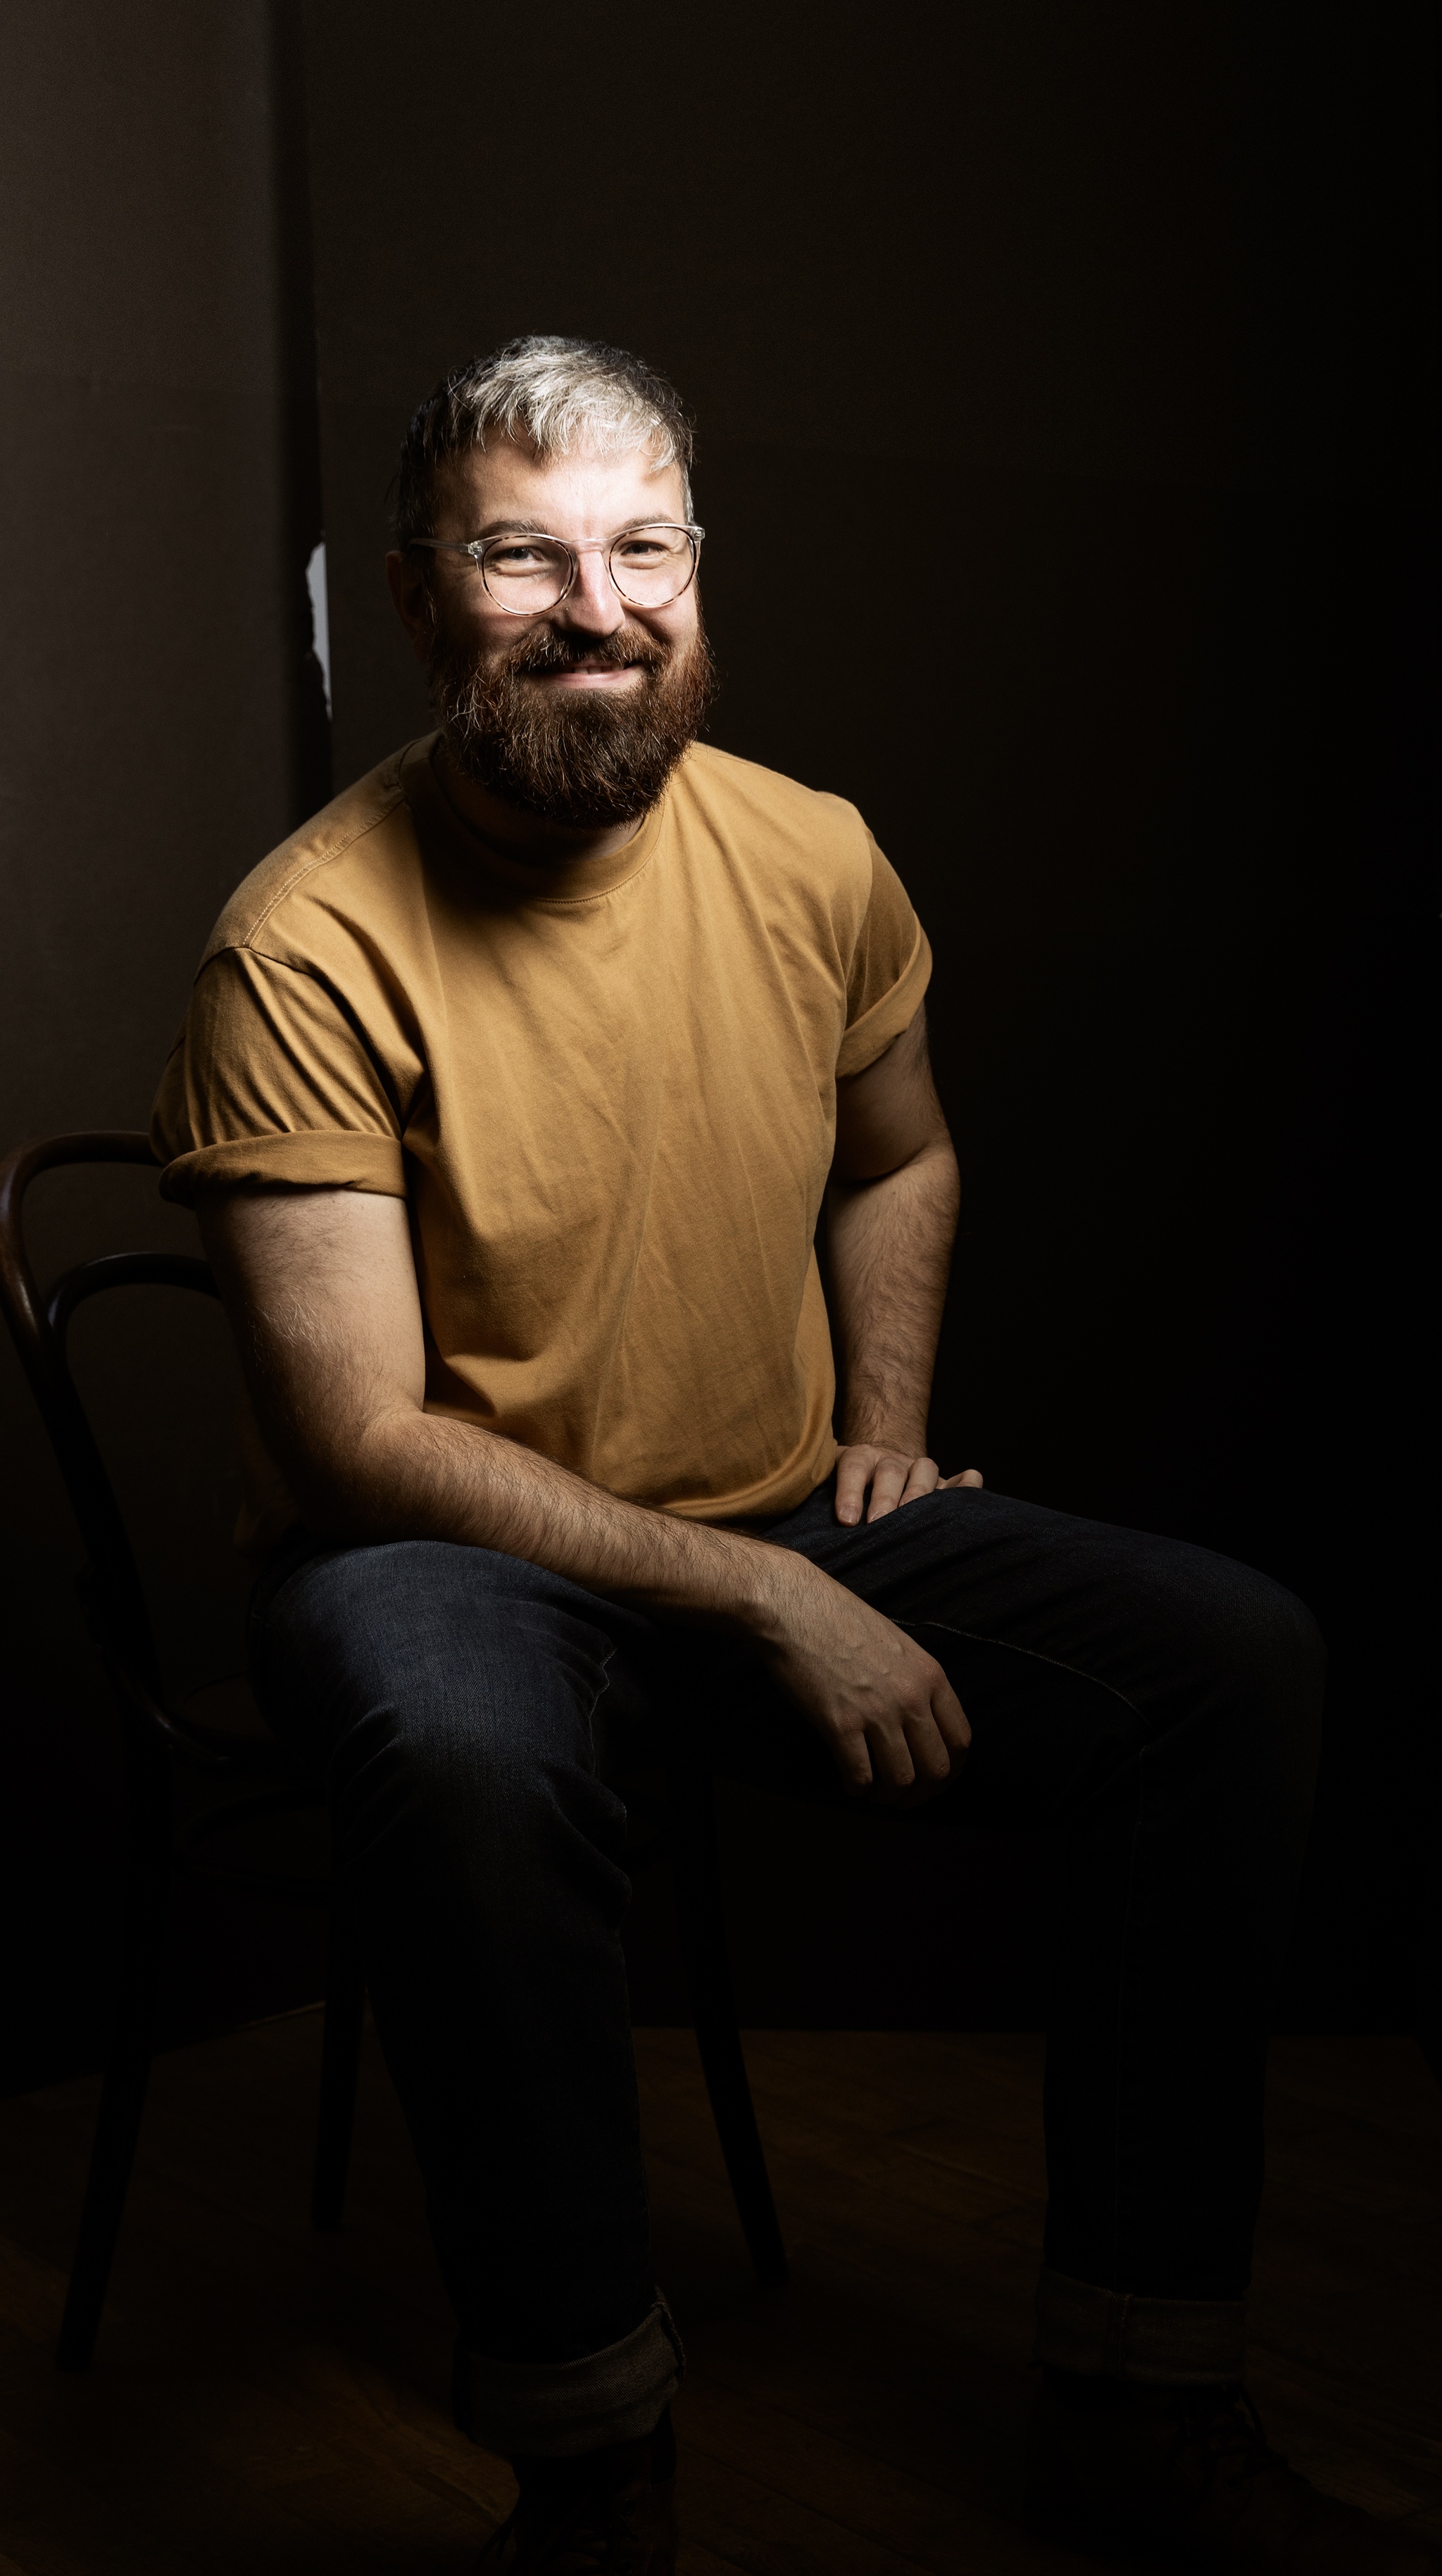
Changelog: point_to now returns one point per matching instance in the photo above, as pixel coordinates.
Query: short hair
(551, 394)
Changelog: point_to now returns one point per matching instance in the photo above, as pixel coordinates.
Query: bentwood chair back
(158, 1737)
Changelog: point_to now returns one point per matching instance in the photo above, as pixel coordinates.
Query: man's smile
(588, 675)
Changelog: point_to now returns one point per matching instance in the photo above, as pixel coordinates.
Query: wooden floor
(268, 2400)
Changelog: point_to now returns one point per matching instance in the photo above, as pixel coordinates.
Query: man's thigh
(1125, 1606)
(468, 1660)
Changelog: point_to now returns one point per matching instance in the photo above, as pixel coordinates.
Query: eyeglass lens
(649, 566)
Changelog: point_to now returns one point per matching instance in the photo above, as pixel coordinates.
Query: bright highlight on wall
(319, 615)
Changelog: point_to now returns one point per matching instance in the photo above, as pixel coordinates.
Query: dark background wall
(1127, 320)
(157, 731)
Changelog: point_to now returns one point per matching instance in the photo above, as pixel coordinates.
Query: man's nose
(593, 601)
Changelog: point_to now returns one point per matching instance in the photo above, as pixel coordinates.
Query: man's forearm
(411, 1474)
(336, 1375)
(889, 1242)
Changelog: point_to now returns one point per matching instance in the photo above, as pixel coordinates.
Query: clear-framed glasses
(524, 574)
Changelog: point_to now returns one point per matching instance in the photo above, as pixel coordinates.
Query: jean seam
(598, 1695)
(979, 1637)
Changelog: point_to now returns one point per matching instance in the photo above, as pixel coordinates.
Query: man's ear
(414, 605)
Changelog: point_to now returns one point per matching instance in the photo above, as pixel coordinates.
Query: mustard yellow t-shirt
(606, 1091)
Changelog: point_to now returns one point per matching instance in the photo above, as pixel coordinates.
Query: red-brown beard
(579, 756)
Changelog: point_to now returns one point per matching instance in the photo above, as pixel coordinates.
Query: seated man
(507, 1097)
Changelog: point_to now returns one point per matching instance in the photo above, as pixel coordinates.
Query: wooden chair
(157, 1738)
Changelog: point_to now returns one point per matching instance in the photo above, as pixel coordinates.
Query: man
(508, 1097)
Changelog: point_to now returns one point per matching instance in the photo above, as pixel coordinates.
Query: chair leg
(697, 1872)
(345, 2004)
(117, 2126)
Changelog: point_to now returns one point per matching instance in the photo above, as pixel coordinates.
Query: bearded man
(508, 1097)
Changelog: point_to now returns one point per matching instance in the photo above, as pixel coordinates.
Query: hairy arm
(892, 1215)
(320, 1288)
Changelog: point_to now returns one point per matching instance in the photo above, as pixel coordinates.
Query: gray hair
(551, 395)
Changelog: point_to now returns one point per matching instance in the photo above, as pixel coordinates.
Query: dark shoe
(609, 2513)
(1186, 2474)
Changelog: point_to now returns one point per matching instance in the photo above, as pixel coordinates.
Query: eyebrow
(537, 527)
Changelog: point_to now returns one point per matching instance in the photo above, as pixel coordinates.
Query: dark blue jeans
(1155, 1706)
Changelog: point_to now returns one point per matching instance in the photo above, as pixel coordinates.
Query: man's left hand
(893, 1476)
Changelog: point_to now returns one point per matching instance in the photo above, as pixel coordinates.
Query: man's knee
(1261, 1656)
(1270, 1639)
(423, 1674)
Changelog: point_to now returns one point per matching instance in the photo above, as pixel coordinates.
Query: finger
(892, 1768)
(887, 1484)
(969, 1476)
(853, 1474)
(930, 1754)
(953, 1724)
(924, 1478)
(853, 1760)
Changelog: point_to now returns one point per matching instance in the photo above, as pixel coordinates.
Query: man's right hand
(884, 1708)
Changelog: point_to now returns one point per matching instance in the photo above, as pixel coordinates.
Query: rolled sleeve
(275, 1082)
(872, 1034)
(322, 1159)
(889, 971)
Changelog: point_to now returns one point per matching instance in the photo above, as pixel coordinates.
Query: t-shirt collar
(565, 881)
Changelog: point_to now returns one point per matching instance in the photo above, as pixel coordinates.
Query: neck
(533, 837)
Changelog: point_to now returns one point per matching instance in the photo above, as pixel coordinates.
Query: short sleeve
(890, 970)
(272, 1083)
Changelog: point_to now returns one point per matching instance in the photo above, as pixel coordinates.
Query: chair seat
(229, 1711)
(223, 1717)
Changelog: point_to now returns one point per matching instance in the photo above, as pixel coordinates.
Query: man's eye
(516, 558)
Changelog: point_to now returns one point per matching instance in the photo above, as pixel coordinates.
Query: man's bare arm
(892, 1216)
(321, 1291)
